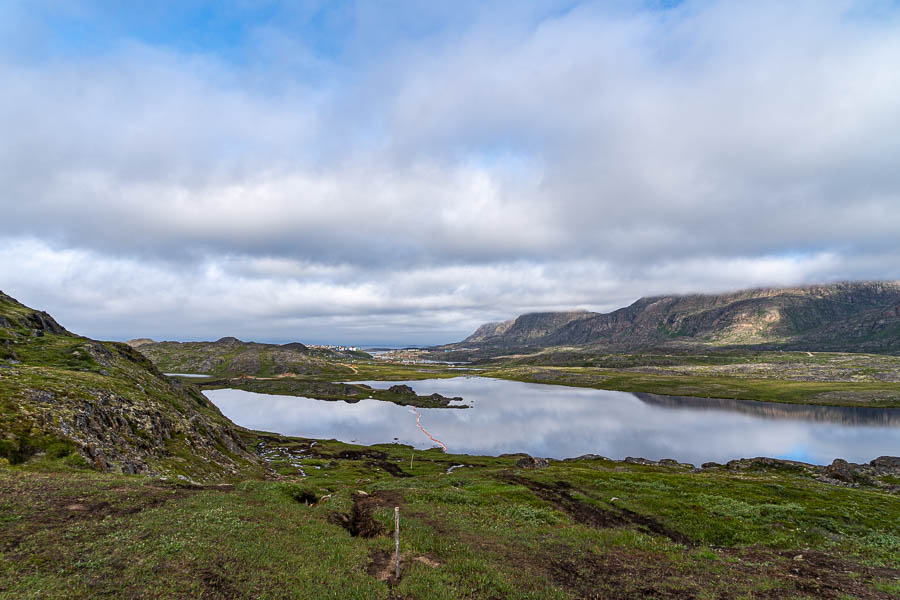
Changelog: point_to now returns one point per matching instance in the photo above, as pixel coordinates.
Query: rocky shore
(882, 472)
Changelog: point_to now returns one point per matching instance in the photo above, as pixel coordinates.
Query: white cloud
(428, 182)
(246, 297)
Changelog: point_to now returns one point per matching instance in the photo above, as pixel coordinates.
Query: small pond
(559, 422)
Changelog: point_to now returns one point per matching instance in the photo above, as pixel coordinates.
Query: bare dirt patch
(821, 575)
(619, 574)
(383, 568)
(376, 460)
(360, 522)
(217, 583)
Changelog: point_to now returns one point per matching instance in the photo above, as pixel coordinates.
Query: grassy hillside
(587, 528)
(105, 405)
(232, 357)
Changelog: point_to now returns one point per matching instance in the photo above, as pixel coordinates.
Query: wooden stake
(411, 457)
(397, 543)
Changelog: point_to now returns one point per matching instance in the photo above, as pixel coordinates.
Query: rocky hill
(857, 317)
(104, 405)
(231, 357)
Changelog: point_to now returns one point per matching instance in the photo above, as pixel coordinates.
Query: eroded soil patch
(559, 494)
(51, 508)
(360, 522)
(620, 574)
(376, 460)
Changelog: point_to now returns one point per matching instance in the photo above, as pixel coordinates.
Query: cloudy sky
(400, 172)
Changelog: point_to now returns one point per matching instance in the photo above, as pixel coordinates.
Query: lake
(185, 375)
(560, 422)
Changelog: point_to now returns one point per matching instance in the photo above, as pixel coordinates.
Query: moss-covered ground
(815, 378)
(770, 389)
(587, 528)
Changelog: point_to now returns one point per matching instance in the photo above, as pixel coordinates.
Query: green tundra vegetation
(117, 481)
(490, 528)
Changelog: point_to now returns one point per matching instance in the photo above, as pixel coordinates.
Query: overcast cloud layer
(359, 174)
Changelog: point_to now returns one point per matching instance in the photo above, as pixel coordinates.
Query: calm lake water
(559, 422)
(185, 375)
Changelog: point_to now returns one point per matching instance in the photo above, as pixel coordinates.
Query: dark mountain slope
(105, 405)
(845, 316)
(527, 328)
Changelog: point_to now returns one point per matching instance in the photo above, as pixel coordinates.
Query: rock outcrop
(105, 405)
(882, 472)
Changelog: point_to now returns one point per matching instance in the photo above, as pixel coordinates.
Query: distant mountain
(860, 317)
(104, 405)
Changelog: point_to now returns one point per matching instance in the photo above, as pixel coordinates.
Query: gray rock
(841, 470)
(888, 463)
(766, 462)
(531, 462)
(587, 457)
(403, 390)
(43, 396)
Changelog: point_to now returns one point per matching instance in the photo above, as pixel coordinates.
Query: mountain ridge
(847, 316)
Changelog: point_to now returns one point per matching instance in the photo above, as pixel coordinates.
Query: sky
(400, 172)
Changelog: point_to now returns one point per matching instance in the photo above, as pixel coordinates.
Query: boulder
(403, 390)
(887, 463)
(531, 462)
(587, 457)
(841, 470)
(444, 400)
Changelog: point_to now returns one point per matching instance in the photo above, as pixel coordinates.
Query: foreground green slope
(587, 528)
(104, 404)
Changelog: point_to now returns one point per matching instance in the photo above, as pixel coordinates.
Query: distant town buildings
(332, 347)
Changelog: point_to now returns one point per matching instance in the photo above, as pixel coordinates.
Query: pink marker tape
(419, 425)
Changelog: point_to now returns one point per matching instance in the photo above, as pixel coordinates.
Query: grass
(830, 393)
(488, 530)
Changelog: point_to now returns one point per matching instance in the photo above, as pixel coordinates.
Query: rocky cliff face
(489, 330)
(846, 316)
(104, 405)
(527, 328)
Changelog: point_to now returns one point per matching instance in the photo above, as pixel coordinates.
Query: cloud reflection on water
(559, 422)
